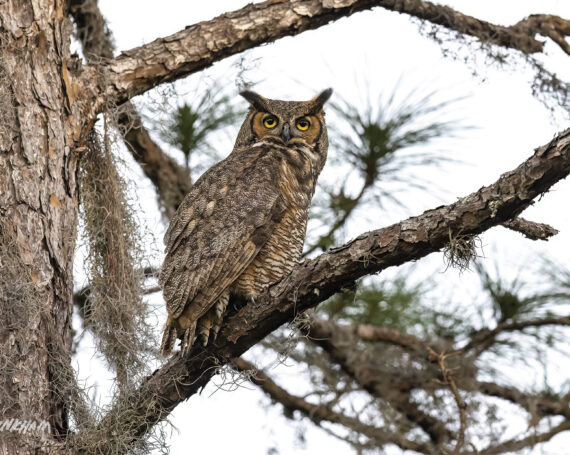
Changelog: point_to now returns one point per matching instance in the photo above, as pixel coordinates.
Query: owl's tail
(168, 339)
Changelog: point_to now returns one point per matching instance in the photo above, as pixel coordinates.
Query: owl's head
(286, 122)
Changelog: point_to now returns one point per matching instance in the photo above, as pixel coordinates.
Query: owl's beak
(286, 133)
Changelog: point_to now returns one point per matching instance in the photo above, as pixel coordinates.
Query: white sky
(381, 47)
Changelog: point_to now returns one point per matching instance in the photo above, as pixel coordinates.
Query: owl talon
(188, 339)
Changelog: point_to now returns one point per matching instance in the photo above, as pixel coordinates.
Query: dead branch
(556, 28)
(530, 229)
(323, 412)
(315, 280)
(520, 36)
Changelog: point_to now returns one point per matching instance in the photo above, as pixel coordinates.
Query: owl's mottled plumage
(242, 226)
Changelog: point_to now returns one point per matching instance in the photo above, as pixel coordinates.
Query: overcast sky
(380, 47)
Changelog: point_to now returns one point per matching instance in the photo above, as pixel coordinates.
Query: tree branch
(172, 181)
(91, 29)
(384, 382)
(539, 404)
(200, 45)
(368, 332)
(315, 280)
(319, 412)
(519, 36)
(530, 229)
(513, 445)
(554, 27)
(449, 379)
(483, 337)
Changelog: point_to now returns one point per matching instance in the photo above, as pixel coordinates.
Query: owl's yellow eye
(303, 124)
(270, 122)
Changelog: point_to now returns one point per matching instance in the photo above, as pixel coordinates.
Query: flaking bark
(200, 45)
(38, 207)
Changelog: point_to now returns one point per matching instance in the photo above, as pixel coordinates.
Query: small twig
(483, 336)
(151, 290)
(449, 379)
(530, 229)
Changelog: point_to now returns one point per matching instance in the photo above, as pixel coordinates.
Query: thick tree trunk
(38, 207)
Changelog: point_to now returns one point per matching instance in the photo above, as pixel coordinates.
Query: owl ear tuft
(256, 100)
(319, 100)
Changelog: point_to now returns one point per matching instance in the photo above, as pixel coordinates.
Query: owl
(242, 226)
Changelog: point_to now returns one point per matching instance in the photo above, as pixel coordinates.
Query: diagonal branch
(322, 412)
(171, 181)
(315, 280)
(200, 45)
(513, 445)
(91, 29)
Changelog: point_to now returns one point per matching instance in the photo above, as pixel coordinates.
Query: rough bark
(530, 229)
(172, 181)
(317, 279)
(38, 205)
(200, 45)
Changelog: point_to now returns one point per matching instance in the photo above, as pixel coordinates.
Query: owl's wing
(217, 231)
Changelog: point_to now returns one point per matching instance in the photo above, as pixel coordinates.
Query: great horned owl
(242, 226)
